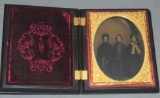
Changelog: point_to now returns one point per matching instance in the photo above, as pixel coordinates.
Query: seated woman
(134, 57)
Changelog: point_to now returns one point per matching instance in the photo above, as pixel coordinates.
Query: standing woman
(104, 54)
(119, 50)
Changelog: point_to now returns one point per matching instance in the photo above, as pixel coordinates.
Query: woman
(104, 54)
(134, 57)
(119, 50)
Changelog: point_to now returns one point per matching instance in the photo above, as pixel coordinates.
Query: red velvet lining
(43, 58)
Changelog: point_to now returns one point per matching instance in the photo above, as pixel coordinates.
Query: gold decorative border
(140, 19)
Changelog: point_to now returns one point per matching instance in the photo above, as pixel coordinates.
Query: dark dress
(104, 56)
(118, 65)
(133, 61)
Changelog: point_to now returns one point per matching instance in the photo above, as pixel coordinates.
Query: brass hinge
(81, 75)
(79, 21)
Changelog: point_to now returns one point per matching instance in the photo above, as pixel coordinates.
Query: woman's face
(105, 39)
(119, 39)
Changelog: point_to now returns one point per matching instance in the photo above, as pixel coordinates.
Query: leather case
(59, 50)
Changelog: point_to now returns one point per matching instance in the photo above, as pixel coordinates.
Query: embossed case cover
(39, 50)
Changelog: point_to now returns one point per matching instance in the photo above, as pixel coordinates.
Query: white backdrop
(152, 5)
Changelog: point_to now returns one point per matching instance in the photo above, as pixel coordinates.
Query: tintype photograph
(119, 48)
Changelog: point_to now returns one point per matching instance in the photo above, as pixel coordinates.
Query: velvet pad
(39, 51)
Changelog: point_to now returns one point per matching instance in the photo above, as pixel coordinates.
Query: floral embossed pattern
(24, 46)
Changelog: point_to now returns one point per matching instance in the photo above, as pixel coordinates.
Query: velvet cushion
(40, 47)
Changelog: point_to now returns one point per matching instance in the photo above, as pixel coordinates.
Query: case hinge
(79, 21)
(81, 75)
